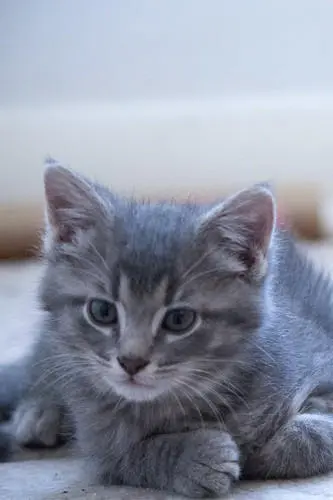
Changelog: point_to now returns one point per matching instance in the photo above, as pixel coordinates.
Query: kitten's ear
(72, 202)
(243, 225)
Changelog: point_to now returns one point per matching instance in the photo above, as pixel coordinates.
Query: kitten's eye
(179, 320)
(102, 312)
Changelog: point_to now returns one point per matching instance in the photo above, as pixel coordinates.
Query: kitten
(183, 344)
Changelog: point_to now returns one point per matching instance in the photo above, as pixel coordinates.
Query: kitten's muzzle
(132, 365)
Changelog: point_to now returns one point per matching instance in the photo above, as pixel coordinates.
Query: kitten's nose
(132, 365)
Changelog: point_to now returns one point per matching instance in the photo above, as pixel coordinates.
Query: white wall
(171, 93)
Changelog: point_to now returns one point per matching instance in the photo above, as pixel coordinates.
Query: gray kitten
(185, 346)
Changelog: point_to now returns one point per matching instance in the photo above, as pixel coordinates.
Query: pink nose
(132, 365)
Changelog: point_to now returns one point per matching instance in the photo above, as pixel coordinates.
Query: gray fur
(242, 395)
(11, 393)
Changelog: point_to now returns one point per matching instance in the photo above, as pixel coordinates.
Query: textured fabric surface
(56, 475)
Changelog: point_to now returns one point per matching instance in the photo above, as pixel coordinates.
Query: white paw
(36, 423)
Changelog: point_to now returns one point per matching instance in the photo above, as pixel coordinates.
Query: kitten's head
(151, 299)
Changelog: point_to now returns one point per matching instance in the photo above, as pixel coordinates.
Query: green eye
(102, 312)
(179, 320)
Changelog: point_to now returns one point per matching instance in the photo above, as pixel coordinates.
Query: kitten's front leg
(303, 447)
(38, 422)
(197, 463)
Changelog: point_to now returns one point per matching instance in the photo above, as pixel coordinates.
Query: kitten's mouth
(134, 389)
(132, 382)
(139, 387)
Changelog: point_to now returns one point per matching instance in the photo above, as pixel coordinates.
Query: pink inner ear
(70, 202)
(242, 225)
(66, 233)
(251, 214)
(73, 203)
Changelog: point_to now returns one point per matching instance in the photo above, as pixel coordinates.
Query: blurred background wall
(166, 96)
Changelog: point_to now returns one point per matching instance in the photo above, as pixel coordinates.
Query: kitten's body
(238, 395)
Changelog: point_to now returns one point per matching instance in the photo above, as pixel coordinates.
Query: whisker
(197, 262)
(79, 258)
(180, 384)
(100, 256)
(263, 350)
(212, 359)
(208, 402)
(224, 384)
(223, 401)
(178, 401)
(199, 275)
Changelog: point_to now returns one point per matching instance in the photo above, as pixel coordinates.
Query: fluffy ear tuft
(243, 225)
(72, 202)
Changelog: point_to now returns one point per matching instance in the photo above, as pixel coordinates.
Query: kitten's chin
(137, 392)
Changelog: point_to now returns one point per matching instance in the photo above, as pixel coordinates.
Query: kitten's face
(150, 300)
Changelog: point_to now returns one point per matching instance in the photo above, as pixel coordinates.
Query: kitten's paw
(37, 423)
(208, 465)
